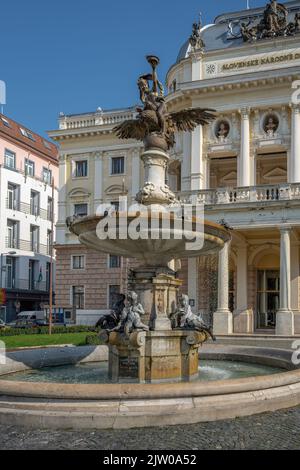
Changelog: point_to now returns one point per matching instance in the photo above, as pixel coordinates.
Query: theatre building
(244, 167)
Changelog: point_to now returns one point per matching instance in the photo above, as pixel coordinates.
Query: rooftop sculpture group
(274, 23)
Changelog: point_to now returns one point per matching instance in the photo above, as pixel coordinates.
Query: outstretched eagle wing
(131, 129)
(188, 119)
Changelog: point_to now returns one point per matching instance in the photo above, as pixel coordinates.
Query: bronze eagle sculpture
(153, 124)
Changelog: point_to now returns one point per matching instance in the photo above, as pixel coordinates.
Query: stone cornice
(234, 82)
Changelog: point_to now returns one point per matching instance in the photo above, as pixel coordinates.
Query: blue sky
(74, 56)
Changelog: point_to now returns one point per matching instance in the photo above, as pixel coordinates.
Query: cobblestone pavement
(278, 430)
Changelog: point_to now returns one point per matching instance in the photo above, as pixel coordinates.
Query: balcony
(26, 208)
(27, 245)
(252, 194)
(99, 118)
(41, 178)
(26, 284)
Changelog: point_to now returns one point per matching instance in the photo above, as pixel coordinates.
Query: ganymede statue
(156, 128)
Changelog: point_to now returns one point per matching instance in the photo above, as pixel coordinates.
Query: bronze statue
(154, 125)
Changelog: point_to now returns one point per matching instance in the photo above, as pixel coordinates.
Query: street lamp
(10, 253)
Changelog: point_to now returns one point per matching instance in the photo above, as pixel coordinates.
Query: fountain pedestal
(154, 356)
(161, 353)
(157, 290)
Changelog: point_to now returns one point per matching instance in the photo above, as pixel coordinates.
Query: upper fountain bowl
(153, 244)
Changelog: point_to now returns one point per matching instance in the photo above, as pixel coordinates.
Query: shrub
(93, 340)
(42, 330)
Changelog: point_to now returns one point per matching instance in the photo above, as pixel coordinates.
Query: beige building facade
(244, 167)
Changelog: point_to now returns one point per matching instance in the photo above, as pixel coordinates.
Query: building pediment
(79, 193)
(116, 189)
(275, 174)
(230, 178)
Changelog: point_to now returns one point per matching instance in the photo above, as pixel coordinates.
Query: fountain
(163, 344)
(153, 335)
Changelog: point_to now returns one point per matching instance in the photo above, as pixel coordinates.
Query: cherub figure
(130, 319)
(184, 318)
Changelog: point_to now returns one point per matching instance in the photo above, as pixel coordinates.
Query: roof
(24, 137)
(215, 36)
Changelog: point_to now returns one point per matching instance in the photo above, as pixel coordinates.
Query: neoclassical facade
(244, 167)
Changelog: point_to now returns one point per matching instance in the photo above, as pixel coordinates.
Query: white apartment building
(28, 164)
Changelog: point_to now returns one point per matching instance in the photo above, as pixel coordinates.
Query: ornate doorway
(268, 292)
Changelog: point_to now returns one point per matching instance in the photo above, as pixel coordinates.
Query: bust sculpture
(271, 126)
(222, 131)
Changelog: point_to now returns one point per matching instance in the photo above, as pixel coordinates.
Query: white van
(30, 317)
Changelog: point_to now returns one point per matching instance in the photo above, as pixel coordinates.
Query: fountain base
(155, 356)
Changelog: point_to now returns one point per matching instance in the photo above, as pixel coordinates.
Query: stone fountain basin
(155, 247)
(90, 406)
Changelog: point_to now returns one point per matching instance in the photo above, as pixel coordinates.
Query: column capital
(295, 108)
(245, 112)
(98, 155)
(285, 229)
(62, 157)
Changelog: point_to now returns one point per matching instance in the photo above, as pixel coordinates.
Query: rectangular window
(80, 210)
(10, 272)
(114, 261)
(5, 122)
(27, 134)
(34, 238)
(13, 200)
(47, 175)
(48, 270)
(115, 205)
(9, 159)
(12, 240)
(113, 292)
(49, 242)
(78, 297)
(117, 165)
(78, 262)
(81, 168)
(32, 274)
(29, 167)
(34, 203)
(49, 208)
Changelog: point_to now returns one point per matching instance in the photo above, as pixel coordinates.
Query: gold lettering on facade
(262, 61)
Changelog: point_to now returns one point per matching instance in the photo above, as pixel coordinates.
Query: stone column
(62, 200)
(135, 173)
(193, 282)
(223, 321)
(98, 177)
(197, 159)
(244, 160)
(285, 317)
(295, 273)
(243, 317)
(294, 166)
(186, 163)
